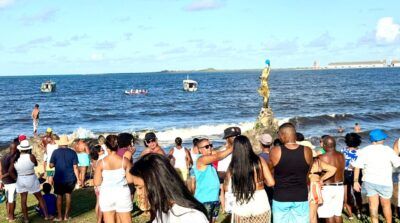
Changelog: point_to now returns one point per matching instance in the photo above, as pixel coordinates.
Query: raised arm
(189, 161)
(207, 159)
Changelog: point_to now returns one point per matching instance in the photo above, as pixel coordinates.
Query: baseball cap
(49, 130)
(150, 136)
(265, 139)
(231, 131)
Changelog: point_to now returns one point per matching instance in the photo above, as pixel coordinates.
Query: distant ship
(48, 86)
(190, 85)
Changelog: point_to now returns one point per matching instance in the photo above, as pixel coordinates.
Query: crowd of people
(289, 181)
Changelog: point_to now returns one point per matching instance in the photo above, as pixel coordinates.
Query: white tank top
(114, 178)
(180, 158)
(24, 166)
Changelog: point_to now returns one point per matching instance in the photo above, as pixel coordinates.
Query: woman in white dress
(27, 181)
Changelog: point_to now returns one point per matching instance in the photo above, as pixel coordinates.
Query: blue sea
(317, 101)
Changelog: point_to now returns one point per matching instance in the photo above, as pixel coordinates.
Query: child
(49, 199)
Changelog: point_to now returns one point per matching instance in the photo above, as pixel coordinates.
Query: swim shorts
(212, 208)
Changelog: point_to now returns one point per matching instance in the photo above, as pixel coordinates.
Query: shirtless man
(35, 119)
(333, 189)
(357, 128)
(150, 141)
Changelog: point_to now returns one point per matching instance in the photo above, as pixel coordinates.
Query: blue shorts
(212, 208)
(371, 189)
(290, 212)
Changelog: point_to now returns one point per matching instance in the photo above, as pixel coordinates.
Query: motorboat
(189, 85)
(136, 92)
(48, 86)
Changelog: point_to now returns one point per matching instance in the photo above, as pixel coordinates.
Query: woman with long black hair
(160, 188)
(245, 178)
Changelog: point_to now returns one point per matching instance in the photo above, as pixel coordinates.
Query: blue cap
(377, 135)
(268, 62)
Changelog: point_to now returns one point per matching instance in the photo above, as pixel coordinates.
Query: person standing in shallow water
(291, 163)
(357, 128)
(35, 119)
(333, 189)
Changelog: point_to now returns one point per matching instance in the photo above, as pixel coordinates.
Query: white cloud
(387, 30)
(199, 5)
(97, 56)
(5, 3)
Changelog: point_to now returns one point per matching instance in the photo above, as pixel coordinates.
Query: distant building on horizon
(395, 63)
(360, 64)
(315, 65)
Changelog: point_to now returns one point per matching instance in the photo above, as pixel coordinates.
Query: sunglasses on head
(209, 146)
(150, 140)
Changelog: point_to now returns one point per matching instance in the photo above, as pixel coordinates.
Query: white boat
(136, 92)
(48, 86)
(190, 85)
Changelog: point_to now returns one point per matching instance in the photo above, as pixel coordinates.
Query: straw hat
(63, 141)
(24, 145)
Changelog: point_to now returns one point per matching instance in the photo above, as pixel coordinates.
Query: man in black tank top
(291, 163)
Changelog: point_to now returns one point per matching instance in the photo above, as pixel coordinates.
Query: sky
(45, 37)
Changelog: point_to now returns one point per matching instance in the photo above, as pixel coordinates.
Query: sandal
(57, 219)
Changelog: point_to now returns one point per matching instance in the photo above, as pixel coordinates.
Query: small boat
(136, 91)
(48, 86)
(189, 85)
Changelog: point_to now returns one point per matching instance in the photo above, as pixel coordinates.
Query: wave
(338, 118)
(214, 132)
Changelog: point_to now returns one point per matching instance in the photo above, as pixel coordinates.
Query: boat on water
(136, 92)
(190, 85)
(48, 86)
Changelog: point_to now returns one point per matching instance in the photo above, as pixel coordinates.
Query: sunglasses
(209, 146)
(150, 140)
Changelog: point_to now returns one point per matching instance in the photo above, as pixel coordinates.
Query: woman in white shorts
(27, 182)
(112, 175)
